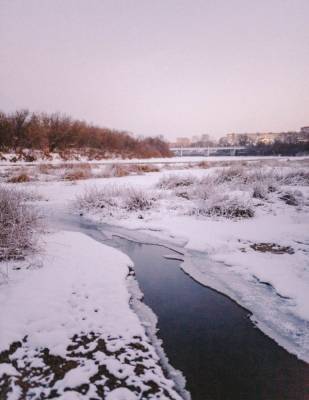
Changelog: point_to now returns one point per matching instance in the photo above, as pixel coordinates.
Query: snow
(82, 286)
(67, 285)
(228, 244)
(80, 290)
(77, 376)
(8, 369)
(121, 394)
(56, 159)
(70, 396)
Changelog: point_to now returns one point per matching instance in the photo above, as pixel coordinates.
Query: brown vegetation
(142, 168)
(23, 130)
(77, 174)
(203, 164)
(272, 248)
(20, 178)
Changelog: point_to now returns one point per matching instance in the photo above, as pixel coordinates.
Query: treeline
(279, 148)
(23, 129)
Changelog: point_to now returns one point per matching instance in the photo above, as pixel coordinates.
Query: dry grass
(20, 178)
(272, 248)
(113, 200)
(223, 205)
(82, 171)
(174, 181)
(77, 171)
(144, 168)
(203, 165)
(18, 222)
(115, 171)
(45, 168)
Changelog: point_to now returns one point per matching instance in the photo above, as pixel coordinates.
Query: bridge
(208, 151)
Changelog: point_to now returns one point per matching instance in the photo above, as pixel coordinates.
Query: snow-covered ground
(258, 254)
(67, 327)
(55, 158)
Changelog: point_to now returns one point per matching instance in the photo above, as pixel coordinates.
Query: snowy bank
(253, 224)
(260, 261)
(67, 327)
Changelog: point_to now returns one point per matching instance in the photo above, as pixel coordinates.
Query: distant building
(268, 138)
(241, 139)
(303, 135)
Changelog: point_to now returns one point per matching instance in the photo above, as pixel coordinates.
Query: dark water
(209, 337)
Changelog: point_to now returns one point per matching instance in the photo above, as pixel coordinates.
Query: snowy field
(242, 226)
(55, 158)
(67, 328)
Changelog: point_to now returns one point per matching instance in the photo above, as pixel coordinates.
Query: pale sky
(171, 67)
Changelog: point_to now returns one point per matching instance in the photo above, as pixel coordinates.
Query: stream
(206, 335)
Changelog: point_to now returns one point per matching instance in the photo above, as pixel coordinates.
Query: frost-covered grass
(120, 170)
(230, 192)
(18, 222)
(115, 200)
(224, 205)
(21, 177)
(176, 181)
(228, 215)
(251, 174)
(208, 212)
(69, 171)
(235, 191)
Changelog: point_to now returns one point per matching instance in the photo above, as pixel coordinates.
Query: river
(206, 335)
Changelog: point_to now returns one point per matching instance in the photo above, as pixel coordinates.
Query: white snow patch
(121, 394)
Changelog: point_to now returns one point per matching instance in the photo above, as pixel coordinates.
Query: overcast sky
(171, 67)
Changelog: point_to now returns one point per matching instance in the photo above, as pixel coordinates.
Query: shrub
(137, 200)
(224, 206)
(184, 192)
(20, 178)
(203, 164)
(260, 191)
(296, 177)
(93, 198)
(76, 175)
(45, 168)
(229, 174)
(115, 200)
(18, 222)
(272, 248)
(115, 171)
(204, 190)
(294, 198)
(144, 168)
(174, 181)
(76, 172)
(201, 190)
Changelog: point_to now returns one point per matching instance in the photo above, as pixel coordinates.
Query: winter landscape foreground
(72, 321)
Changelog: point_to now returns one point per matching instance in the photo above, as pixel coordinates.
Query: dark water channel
(208, 336)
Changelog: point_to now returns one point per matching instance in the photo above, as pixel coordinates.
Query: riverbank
(266, 254)
(67, 327)
(260, 261)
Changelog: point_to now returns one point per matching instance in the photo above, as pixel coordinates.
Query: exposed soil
(39, 379)
(272, 248)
